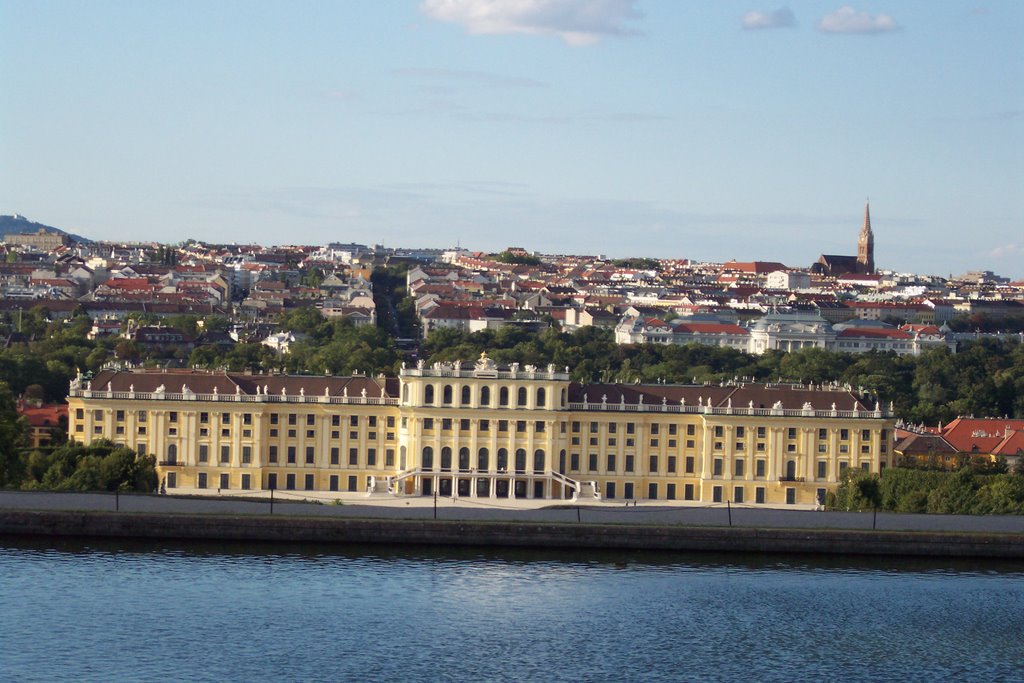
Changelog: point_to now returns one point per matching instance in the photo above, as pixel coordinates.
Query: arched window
(561, 462)
(790, 470)
(446, 459)
(463, 459)
(447, 396)
(521, 397)
(405, 393)
(482, 460)
(172, 454)
(428, 394)
(485, 396)
(565, 396)
(401, 458)
(520, 460)
(503, 396)
(465, 396)
(502, 463)
(538, 460)
(542, 397)
(428, 458)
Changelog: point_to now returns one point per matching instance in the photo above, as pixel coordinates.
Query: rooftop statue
(484, 363)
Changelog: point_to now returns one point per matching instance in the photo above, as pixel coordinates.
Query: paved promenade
(388, 507)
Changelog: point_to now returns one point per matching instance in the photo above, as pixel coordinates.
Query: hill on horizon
(17, 224)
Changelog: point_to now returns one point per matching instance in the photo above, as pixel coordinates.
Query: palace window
(520, 460)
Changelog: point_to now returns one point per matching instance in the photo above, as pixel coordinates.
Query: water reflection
(96, 610)
(553, 559)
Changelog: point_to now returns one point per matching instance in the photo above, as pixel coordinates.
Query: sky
(701, 130)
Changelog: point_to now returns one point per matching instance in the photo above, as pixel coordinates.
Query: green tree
(13, 431)
(955, 495)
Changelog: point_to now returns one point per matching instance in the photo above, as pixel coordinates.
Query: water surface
(213, 612)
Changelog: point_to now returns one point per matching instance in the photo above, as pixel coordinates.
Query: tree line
(987, 490)
(986, 377)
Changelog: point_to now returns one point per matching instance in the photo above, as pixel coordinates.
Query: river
(99, 611)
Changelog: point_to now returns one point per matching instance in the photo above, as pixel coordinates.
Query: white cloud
(780, 18)
(848, 20)
(1007, 251)
(577, 22)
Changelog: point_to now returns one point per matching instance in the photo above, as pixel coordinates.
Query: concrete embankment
(507, 534)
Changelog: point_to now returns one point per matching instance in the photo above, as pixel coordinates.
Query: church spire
(866, 243)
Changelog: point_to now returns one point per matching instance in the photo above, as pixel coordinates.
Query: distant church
(862, 263)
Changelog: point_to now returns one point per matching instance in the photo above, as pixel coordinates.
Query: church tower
(866, 244)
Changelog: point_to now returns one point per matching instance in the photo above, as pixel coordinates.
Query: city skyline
(631, 128)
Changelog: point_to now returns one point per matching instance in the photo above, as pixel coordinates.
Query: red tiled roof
(922, 329)
(921, 444)
(967, 433)
(792, 397)
(227, 383)
(44, 416)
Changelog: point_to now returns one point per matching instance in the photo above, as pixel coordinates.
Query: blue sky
(710, 130)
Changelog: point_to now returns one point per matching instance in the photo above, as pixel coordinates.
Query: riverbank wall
(278, 529)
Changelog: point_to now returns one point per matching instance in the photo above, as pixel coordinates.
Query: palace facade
(477, 430)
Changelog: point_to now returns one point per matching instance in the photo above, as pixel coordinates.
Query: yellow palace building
(476, 430)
